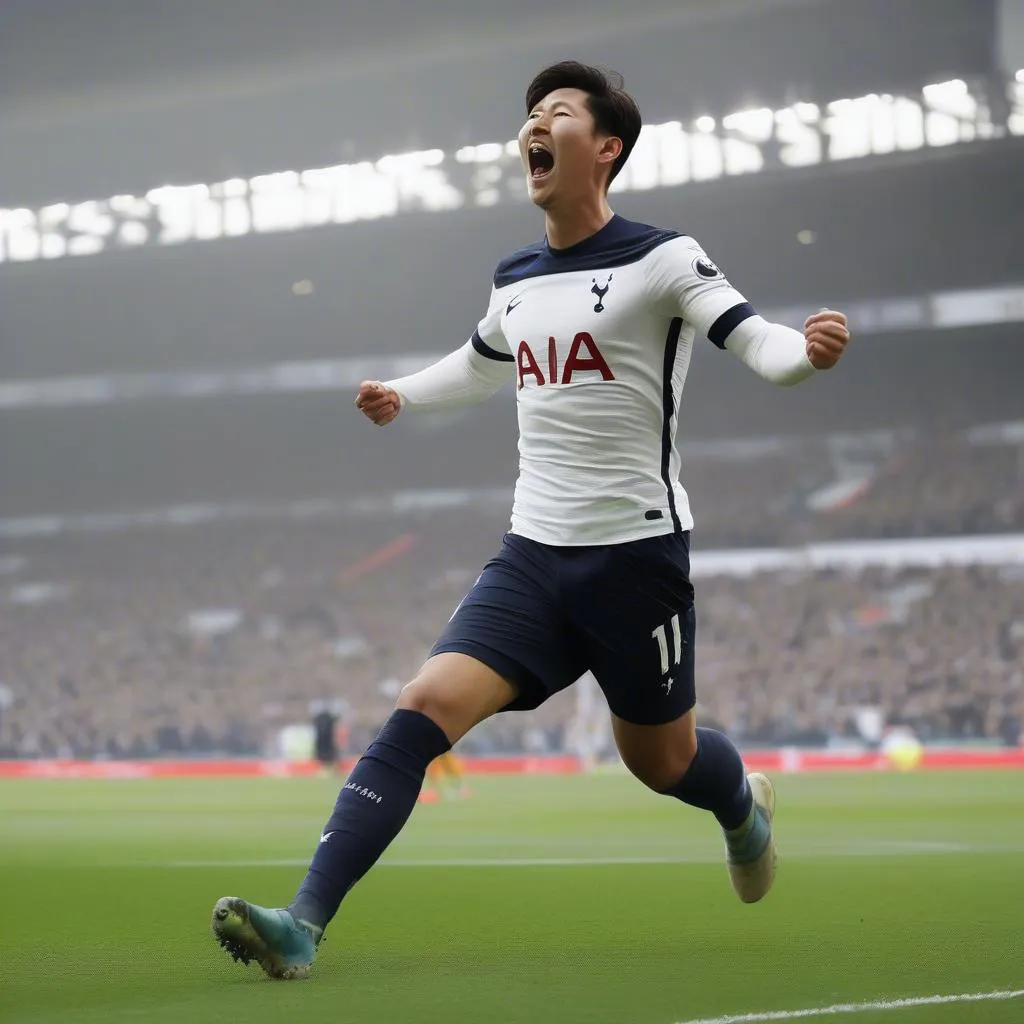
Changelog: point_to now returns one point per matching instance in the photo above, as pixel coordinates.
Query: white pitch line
(882, 850)
(877, 1006)
(448, 862)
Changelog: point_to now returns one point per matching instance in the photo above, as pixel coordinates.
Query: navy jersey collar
(618, 243)
(616, 228)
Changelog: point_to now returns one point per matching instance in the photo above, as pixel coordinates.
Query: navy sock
(716, 781)
(371, 809)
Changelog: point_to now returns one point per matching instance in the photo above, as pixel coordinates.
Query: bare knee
(658, 755)
(430, 699)
(455, 692)
(660, 774)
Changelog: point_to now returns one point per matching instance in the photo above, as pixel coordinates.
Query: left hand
(826, 337)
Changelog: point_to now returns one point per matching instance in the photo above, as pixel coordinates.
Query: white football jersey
(599, 338)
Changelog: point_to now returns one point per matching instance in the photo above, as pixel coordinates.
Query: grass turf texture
(889, 886)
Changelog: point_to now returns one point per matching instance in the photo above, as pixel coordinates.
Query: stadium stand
(186, 640)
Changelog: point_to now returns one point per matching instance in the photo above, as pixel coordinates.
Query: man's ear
(611, 149)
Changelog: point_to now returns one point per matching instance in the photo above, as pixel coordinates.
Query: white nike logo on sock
(326, 836)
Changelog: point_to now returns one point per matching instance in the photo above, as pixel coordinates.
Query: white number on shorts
(661, 635)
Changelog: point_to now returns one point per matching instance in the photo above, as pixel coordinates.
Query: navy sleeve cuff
(728, 322)
(485, 350)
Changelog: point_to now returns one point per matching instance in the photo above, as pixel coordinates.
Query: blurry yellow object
(445, 773)
(903, 749)
(446, 765)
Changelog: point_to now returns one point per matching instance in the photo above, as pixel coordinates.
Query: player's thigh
(639, 622)
(511, 624)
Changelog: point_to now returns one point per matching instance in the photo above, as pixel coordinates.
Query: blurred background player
(446, 778)
(330, 734)
(589, 730)
(325, 741)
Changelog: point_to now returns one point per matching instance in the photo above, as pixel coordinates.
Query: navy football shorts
(540, 616)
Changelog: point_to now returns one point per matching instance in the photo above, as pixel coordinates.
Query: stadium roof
(131, 55)
(113, 96)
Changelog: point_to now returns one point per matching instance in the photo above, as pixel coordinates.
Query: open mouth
(541, 161)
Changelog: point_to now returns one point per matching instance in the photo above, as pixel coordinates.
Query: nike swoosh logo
(512, 305)
(326, 836)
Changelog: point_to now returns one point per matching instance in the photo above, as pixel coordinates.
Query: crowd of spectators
(813, 490)
(798, 657)
(204, 639)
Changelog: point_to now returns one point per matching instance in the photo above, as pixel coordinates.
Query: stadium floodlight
(279, 181)
(52, 247)
(756, 124)
(177, 193)
(53, 214)
(17, 219)
(130, 206)
(941, 129)
(952, 98)
(90, 218)
(324, 178)
(943, 92)
(670, 154)
(485, 153)
(133, 233)
(798, 113)
(489, 152)
(232, 187)
(85, 245)
(401, 163)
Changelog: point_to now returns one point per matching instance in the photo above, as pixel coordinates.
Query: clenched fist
(377, 402)
(826, 336)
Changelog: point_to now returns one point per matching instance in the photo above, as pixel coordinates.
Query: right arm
(466, 376)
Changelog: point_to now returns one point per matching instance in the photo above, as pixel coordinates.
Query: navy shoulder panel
(618, 243)
(517, 265)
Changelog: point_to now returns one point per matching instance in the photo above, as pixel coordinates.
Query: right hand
(377, 402)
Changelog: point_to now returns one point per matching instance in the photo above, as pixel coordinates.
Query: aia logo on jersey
(703, 267)
(583, 355)
(601, 291)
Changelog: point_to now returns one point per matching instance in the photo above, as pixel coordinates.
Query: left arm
(683, 276)
(772, 351)
(785, 356)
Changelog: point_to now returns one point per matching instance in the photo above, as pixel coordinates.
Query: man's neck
(568, 227)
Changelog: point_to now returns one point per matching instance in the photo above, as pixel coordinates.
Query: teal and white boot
(752, 872)
(284, 947)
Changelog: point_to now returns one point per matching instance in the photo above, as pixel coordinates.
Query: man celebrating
(596, 325)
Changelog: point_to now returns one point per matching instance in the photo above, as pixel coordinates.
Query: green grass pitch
(580, 900)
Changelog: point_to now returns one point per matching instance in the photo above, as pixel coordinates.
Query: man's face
(563, 156)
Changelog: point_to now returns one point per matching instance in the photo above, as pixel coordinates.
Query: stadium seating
(213, 637)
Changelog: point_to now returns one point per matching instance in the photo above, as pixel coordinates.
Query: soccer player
(595, 324)
(325, 740)
(446, 775)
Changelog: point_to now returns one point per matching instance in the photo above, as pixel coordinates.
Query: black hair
(615, 112)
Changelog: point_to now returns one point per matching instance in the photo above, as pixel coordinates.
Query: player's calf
(449, 696)
(716, 781)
